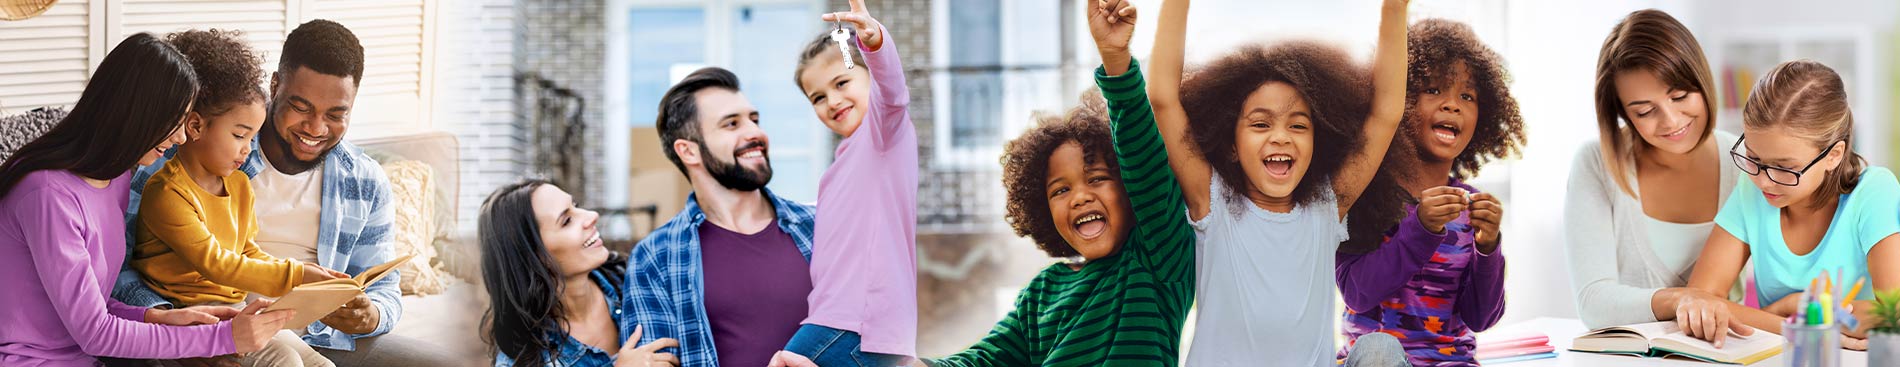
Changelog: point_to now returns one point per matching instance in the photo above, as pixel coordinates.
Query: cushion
(17, 130)
(414, 229)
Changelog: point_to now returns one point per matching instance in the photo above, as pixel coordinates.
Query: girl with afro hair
(1272, 145)
(196, 230)
(1423, 239)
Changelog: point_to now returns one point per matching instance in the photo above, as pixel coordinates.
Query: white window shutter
(396, 39)
(44, 60)
(261, 20)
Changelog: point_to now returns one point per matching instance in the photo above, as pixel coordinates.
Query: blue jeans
(1376, 350)
(830, 347)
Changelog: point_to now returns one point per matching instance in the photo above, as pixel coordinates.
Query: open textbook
(1665, 339)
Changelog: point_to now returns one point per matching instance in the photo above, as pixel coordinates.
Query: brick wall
(565, 41)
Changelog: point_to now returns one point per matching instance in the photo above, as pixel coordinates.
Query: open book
(1665, 339)
(315, 300)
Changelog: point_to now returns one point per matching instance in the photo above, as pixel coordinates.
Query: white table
(1562, 331)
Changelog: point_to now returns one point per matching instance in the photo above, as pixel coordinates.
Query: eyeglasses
(1781, 176)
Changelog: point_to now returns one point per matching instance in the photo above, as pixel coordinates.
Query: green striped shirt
(1125, 309)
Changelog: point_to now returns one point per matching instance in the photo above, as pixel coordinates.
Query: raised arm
(1164, 93)
(889, 112)
(1388, 106)
(1168, 241)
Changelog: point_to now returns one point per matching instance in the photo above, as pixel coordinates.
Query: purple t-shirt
(62, 242)
(755, 291)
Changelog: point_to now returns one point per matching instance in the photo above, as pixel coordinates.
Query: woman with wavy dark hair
(62, 226)
(557, 296)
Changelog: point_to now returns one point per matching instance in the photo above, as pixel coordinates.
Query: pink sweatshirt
(62, 242)
(864, 251)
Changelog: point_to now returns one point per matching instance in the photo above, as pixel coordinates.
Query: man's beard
(270, 137)
(734, 176)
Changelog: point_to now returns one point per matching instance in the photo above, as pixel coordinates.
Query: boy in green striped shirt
(1112, 203)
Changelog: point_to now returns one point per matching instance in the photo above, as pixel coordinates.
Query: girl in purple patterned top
(1422, 264)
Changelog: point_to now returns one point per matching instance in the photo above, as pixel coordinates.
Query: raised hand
(648, 355)
(1486, 214)
(1440, 205)
(1112, 24)
(870, 32)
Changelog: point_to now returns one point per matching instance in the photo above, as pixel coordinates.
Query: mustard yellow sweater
(196, 248)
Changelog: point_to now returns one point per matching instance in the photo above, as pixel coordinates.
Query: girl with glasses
(1811, 205)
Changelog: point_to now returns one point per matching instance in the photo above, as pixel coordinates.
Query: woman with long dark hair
(62, 226)
(557, 297)
(1642, 199)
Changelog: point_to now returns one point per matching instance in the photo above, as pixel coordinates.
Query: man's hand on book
(359, 316)
(313, 273)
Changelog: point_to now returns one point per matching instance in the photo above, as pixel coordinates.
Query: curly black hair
(228, 70)
(1435, 45)
(1336, 89)
(325, 47)
(1026, 168)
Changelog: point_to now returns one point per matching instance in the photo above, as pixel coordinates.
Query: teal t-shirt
(1868, 214)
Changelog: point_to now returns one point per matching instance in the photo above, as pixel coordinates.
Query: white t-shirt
(288, 208)
(1676, 244)
(1264, 288)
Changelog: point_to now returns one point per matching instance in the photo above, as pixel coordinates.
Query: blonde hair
(1647, 40)
(1808, 100)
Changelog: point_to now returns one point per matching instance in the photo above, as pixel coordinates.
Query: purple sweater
(62, 242)
(1428, 290)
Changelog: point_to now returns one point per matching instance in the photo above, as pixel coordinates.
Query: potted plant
(1883, 340)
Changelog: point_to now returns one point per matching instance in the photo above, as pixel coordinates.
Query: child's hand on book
(250, 329)
(870, 32)
(313, 273)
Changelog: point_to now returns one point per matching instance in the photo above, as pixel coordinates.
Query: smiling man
(701, 277)
(320, 199)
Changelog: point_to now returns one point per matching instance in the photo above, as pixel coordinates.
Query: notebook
(315, 300)
(1665, 340)
(1510, 349)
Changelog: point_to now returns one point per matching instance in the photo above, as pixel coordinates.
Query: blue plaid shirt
(352, 236)
(667, 286)
(573, 352)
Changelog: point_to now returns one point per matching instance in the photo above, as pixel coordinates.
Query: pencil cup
(1812, 345)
